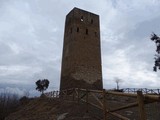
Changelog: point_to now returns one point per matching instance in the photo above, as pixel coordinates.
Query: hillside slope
(51, 109)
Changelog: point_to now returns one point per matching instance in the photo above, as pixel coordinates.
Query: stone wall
(81, 60)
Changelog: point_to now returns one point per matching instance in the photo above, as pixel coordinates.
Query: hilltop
(51, 109)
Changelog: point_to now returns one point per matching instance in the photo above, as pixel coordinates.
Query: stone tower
(81, 60)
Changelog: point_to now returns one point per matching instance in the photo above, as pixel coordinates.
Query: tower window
(86, 31)
(77, 29)
(96, 34)
(91, 21)
(81, 18)
(71, 30)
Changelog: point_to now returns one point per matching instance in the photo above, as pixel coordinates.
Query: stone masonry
(81, 59)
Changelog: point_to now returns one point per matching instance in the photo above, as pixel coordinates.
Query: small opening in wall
(81, 18)
(96, 34)
(71, 30)
(86, 31)
(91, 21)
(77, 29)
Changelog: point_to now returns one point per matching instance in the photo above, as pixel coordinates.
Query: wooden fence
(99, 99)
(144, 90)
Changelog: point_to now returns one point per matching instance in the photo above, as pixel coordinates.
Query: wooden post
(87, 100)
(78, 95)
(104, 105)
(73, 94)
(134, 90)
(66, 93)
(158, 91)
(140, 99)
(53, 94)
(56, 94)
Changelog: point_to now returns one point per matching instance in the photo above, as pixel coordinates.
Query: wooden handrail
(146, 96)
(84, 94)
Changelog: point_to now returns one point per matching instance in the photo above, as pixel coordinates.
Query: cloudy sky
(31, 41)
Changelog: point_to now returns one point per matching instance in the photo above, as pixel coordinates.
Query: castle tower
(81, 60)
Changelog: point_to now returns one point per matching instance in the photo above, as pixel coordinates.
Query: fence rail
(144, 90)
(100, 98)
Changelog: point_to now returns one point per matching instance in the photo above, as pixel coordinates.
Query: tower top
(78, 10)
(82, 17)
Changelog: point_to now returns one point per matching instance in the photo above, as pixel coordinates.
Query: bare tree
(8, 103)
(117, 81)
(26, 93)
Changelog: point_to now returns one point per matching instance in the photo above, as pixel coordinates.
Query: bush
(24, 100)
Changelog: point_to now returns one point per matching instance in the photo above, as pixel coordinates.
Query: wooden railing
(144, 90)
(99, 99)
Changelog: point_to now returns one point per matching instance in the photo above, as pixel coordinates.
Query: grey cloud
(31, 37)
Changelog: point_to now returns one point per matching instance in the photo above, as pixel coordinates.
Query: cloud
(14, 91)
(31, 40)
(127, 51)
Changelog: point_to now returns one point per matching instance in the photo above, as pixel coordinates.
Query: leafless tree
(26, 93)
(117, 81)
(8, 103)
